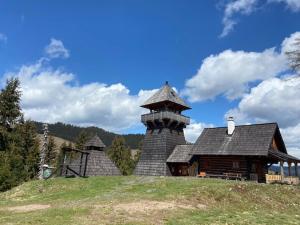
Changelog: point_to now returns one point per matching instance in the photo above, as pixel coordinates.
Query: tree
(51, 152)
(19, 155)
(120, 154)
(30, 147)
(81, 140)
(294, 56)
(59, 159)
(10, 110)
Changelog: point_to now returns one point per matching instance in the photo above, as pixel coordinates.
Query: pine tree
(51, 152)
(10, 110)
(81, 140)
(120, 154)
(30, 147)
(19, 155)
(59, 158)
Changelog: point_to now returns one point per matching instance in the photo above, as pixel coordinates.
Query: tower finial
(167, 83)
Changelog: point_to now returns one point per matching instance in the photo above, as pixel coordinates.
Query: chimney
(230, 125)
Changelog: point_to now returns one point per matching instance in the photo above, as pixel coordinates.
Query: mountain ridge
(70, 132)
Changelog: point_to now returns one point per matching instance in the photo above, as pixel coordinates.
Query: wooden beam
(281, 170)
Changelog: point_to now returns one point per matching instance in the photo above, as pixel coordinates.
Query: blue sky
(93, 63)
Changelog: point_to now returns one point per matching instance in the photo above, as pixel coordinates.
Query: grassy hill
(149, 200)
(57, 140)
(70, 132)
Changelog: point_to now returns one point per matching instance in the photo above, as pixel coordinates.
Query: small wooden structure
(92, 161)
(74, 162)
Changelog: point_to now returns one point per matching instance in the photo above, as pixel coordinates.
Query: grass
(111, 200)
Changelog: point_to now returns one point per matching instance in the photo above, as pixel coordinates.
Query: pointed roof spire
(163, 95)
(95, 142)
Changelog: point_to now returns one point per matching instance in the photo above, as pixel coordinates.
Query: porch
(282, 178)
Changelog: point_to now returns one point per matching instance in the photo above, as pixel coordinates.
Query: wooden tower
(165, 125)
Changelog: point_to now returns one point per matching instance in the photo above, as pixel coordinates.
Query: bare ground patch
(146, 206)
(140, 212)
(27, 208)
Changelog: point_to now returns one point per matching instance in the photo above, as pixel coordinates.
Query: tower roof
(95, 142)
(165, 95)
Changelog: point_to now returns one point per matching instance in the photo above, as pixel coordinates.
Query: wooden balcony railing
(165, 115)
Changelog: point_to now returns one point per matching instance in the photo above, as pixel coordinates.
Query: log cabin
(248, 150)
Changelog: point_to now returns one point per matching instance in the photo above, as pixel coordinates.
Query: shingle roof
(246, 140)
(99, 164)
(282, 156)
(165, 94)
(180, 154)
(95, 142)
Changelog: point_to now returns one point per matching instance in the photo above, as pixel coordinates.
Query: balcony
(160, 116)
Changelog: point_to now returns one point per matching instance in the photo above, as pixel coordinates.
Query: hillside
(57, 140)
(70, 133)
(149, 200)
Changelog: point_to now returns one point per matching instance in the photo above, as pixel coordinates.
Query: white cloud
(52, 95)
(289, 43)
(193, 131)
(293, 5)
(230, 73)
(244, 7)
(274, 100)
(247, 7)
(3, 38)
(56, 49)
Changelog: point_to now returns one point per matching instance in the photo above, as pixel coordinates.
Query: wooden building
(92, 161)
(165, 125)
(244, 152)
(247, 150)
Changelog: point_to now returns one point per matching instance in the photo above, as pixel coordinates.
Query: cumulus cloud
(56, 49)
(3, 38)
(231, 73)
(274, 100)
(52, 95)
(289, 43)
(243, 7)
(193, 131)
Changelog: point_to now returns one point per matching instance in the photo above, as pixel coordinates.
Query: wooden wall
(228, 164)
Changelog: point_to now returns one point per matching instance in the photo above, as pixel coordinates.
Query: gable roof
(181, 154)
(95, 142)
(253, 139)
(165, 94)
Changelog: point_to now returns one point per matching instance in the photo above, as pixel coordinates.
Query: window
(235, 165)
(253, 168)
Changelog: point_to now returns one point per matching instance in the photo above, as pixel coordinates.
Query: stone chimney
(230, 125)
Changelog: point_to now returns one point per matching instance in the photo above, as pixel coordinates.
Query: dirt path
(27, 208)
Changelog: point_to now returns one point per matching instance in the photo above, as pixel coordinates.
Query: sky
(95, 62)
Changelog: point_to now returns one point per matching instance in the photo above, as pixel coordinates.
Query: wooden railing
(165, 115)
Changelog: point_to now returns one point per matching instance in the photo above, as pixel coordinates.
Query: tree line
(20, 144)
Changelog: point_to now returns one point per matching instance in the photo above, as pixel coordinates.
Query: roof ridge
(244, 125)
